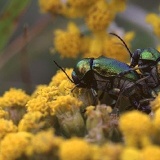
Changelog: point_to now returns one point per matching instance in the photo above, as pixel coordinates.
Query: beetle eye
(75, 78)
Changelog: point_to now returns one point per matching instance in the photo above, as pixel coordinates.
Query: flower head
(68, 43)
(3, 113)
(38, 104)
(13, 98)
(60, 76)
(151, 152)
(6, 126)
(75, 149)
(37, 90)
(49, 92)
(67, 110)
(130, 153)
(44, 143)
(110, 151)
(31, 122)
(135, 123)
(13, 146)
(99, 16)
(110, 46)
(64, 104)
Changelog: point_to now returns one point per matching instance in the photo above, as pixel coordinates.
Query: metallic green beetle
(148, 62)
(102, 73)
(144, 58)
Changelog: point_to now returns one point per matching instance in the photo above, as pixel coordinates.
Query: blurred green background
(26, 38)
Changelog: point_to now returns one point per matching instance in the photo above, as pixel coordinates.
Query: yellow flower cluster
(109, 46)
(14, 98)
(38, 104)
(54, 111)
(31, 122)
(75, 149)
(13, 103)
(97, 16)
(59, 77)
(69, 103)
(68, 43)
(6, 127)
(3, 113)
(13, 146)
(93, 46)
(44, 142)
(76, 8)
(57, 122)
(132, 124)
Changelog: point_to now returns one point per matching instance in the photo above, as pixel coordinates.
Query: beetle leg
(132, 69)
(95, 95)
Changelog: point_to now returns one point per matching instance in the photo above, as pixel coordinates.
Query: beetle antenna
(123, 43)
(63, 71)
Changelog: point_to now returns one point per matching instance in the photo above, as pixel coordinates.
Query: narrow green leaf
(9, 19)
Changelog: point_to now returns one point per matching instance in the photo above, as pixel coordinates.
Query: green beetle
(103, 74)
(146, 58)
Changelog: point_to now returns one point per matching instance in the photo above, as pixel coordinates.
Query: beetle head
(82, 74)
(135, 57)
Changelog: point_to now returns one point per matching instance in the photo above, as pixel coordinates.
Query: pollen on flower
(110, 46)
(130, 153)
(37, 90)
(65, 103)
(99, 16)
(131, 124)
(13, 146)
(111, 151)
(32, 121)
(68, 43)
(49, 92)
(6, 126)
(38, 104)
(151, 150)
(75, 149)
(65, 87)
(13, 98)
(44, 142)
(3, 113)
(60, 76)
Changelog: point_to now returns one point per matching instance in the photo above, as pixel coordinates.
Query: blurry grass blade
(18, 44)
(8, 19)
